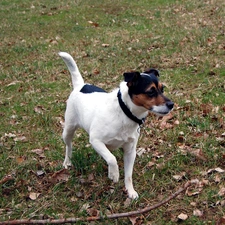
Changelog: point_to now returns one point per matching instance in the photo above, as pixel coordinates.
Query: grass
(183, 39)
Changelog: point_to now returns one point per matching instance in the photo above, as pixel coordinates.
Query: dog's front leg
(101, 149)
(129, 158)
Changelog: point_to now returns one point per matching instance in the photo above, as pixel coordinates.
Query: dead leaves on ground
(196, 189)
(16, 137)
(197, 153)
(165, 122)
(41, 182)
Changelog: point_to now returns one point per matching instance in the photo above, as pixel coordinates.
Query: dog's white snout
(162, 110)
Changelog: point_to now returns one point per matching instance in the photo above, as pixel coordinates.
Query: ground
(184, 40)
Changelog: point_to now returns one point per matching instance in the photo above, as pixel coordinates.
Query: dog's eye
(151, 93)
(162, 88)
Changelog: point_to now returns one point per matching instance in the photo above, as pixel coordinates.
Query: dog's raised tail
(77, 79)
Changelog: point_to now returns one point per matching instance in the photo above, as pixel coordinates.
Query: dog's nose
(170, 105)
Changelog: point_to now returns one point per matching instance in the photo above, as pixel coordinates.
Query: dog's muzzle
(162, 110)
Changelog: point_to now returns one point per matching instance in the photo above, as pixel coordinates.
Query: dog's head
(145, 90)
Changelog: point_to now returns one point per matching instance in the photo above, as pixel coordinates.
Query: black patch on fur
(89, 88)
(131, 76)
(152, 71)
(139, 83)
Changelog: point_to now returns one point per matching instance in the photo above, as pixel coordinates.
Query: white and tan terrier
(112, 120)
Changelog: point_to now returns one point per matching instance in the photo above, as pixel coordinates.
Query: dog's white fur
(100, 115)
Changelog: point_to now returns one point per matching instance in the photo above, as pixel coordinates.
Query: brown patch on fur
(150, 87)
(160, 86)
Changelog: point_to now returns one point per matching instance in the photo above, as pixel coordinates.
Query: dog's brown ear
(131, 78)
(152, 71)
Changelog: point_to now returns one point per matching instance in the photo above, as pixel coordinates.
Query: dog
(113, 119)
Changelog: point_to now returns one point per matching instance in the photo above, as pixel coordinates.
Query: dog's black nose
(170, 105)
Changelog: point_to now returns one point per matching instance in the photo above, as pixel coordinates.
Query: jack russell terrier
(112, 120)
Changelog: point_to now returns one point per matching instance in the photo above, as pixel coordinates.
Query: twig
(6, 179)
(87, 219)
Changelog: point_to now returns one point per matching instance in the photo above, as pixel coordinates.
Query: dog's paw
(114, 177)
(133, 194)
(114, 173)
(67, 163)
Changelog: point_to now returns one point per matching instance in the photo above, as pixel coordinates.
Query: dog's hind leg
(129, 158)
(68, 133)
(101, 149)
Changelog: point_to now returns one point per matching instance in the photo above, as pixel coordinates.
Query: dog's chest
(120, 139)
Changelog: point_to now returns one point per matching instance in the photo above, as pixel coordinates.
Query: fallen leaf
(20, 159)
(133, 220)
(222, 203)
(40, 172)
(164, 123)
(182, 216)
(140, 151)
(150, 164)
(218, 169)
(79, 194)
(10, 135)
(197, 213)
(39, 109)
(160, 165)
(93, 23)
(197, 189)
(62, 175)
(91, 177)
(157, 155)
(96, 71)
(93, 212)
(180, 176)
(85, 207)
(13, 83)
(221, 221)
(20, 138)
(54, 42)
(127, 202)
(206, 109)
(193, 204)
(221, 192)
(39, 152)
(198, 153)
(192, 193)
(111, 190)
(217, 178)
(33, 195)
(105, 45)
(176, 122)
(73, 199)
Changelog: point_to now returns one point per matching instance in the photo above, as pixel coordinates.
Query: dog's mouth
(162, 110)
(160, 113)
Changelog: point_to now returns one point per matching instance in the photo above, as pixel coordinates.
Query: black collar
(127, 111)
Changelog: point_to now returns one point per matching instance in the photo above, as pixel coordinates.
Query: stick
(6, 178)
(87, 219)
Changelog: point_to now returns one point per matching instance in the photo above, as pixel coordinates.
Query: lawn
(184, 40)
